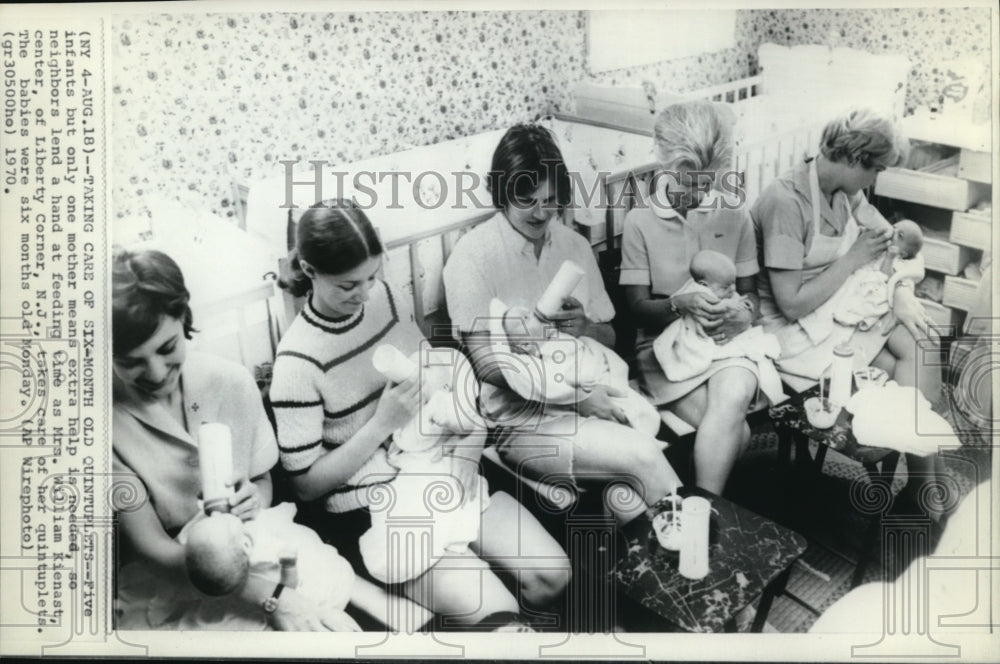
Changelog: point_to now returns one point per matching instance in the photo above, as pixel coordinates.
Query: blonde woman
(683, 212)
(811, 241)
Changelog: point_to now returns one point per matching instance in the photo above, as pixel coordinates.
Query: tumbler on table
(667, 524)
(696, 513)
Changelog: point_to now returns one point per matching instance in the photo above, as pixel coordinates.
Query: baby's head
(715, 270)
(907, 238)
(217, 554)
(524, 331)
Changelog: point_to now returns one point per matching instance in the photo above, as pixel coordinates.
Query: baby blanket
(566, 372)
(684, 350)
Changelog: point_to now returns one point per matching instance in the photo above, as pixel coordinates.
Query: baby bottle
(288, 560)
(215, 458)
(840, 375)
(562, 285)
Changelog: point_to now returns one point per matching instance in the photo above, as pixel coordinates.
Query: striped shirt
(325, 387)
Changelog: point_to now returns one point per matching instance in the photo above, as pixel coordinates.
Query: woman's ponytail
(291, 277)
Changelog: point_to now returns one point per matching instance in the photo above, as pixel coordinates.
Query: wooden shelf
(952, 240)
(942, 191)
(946, 257)
(959, 292)
(971, 229)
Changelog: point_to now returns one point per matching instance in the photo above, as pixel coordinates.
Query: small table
(749, 555)
(789, 419)
(792, 426)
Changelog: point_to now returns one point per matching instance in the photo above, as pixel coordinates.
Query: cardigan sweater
(325, 387)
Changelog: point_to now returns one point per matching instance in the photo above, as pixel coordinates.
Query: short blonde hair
(694, 135)
(864, 137)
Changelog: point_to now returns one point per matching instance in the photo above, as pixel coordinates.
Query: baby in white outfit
(564, 370)
(685, 350)
(425, 499)
(221, 551)
(867, 294)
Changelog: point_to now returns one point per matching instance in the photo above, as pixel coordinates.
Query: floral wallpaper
(202, 100)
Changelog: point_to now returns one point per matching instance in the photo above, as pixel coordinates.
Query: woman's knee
(904, 346)
(640, 453)
(543, 586)
(732, 389)
(691, 407)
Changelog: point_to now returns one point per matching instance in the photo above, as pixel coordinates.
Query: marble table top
(791, 414)
(746, 552)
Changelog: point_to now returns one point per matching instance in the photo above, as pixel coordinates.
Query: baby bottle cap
(216, 505)
(843, 350)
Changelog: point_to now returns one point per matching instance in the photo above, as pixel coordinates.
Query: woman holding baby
(509, 261)
(337, 418)
(685, 250)
(815, 230)
(162, 394)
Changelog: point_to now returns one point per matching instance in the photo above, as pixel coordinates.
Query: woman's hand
(599, 404)
(245, 502)
(908, 310)
(467, 474)
(296, 613)
(734, 320)
(571, 319)
(869, 246)
(398, 404)
(706, 308)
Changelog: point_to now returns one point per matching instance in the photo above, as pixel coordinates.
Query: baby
(220, 552)
(425, 494)
(715, 272)
(865, 296)
(907, 241)
(561, 370)
(684, 350)
(581, 363)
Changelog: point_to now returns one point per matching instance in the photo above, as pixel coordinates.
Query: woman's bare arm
(650, 312)
(336, 467)
(484, 363)
(747, 287)
(144, 532)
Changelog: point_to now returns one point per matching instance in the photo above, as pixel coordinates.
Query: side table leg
(865, 555)
(876, 475)
(767, 598)
(819, 459)
(784, 449)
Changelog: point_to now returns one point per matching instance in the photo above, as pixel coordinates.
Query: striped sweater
(325, 387)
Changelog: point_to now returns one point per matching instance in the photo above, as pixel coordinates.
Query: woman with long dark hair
(336, 415)
(513, 257)
(162, 394)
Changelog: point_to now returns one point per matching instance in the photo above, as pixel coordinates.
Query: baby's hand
(736, 303)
